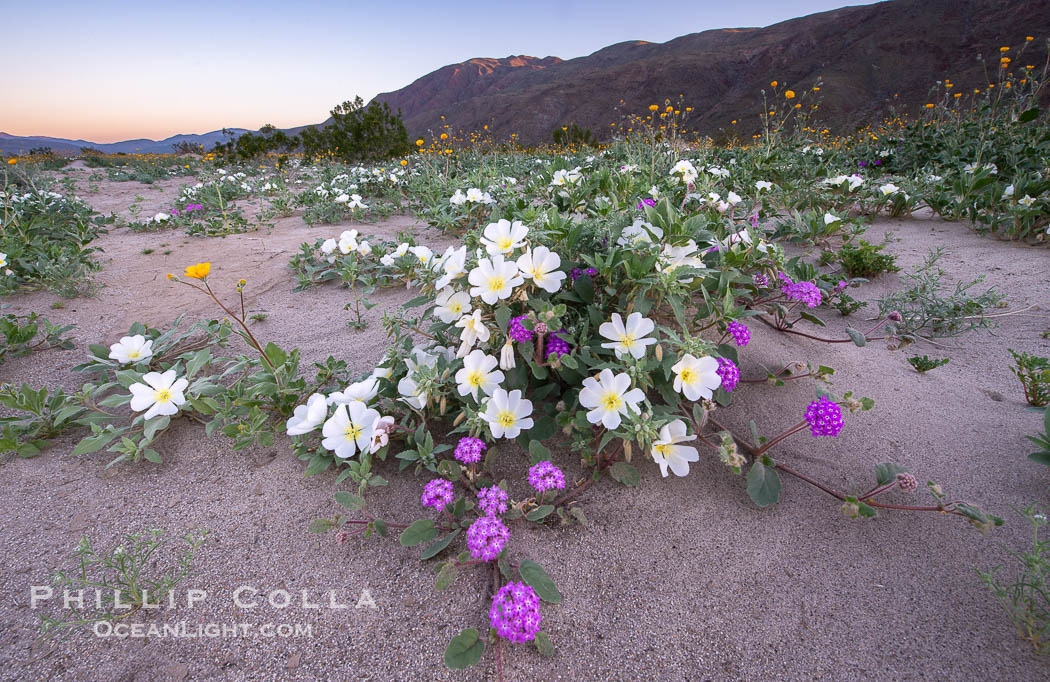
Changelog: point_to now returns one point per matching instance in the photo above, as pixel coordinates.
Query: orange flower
(1004, 49)
(419, 142)
(403, 162)
(957, 95)
(198, 271)
(773, 84)
(789, 94)
(929, 106)
(444, 136)
(1029, 38)
(653, 107)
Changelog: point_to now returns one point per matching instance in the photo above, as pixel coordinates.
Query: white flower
(506, 356)
(503, 237)
(451, 305)
(3, 260)
(763, 185)
(423, 253)
(308, 417)
(830, 218)
(507, 414)
(381, 433)
(1027, 201)
(607, 398)
(696, 378)
(355, 202)
(477, 373)
(474, 329)
(453, 263)
(733, 198)
(477, 196)
(654, 192)
(639, 232)
(888, 189)
(161, 217)
(629, 338)
(674, 257)
(160, 395)
(363, 390)
(1008, 192)
(391, 257)
(411, 392)
(668, 454)
(685, 171)
(328, 248)
(541, 266)
(348, 241)
(342, 198)
(494, 279)
(382, 372)
(129, 348)
(364, 248)
(718, 172)
(349, 429)
(458, 199)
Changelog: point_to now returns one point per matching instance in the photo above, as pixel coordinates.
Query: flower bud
(659, 352)
(895, 316)
(506, 356)
(540, 328)
(443, 405)
(907, 482)
(627, 451)
(459, 419)
(850, 510)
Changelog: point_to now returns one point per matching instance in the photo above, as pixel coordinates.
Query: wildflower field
(658, 408)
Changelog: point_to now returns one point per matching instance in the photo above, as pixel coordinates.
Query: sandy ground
(679, 579)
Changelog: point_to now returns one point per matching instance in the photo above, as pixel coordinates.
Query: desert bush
(1034, 374)
(866, 260)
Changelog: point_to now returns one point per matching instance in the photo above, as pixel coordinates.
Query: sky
(108, 71)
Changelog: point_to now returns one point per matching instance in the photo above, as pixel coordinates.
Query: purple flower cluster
(760, 280)
(824, 417)
(646, 202)
(729, 372)
(740, 332)
(577, 273)
(190, 208)
(493, 500)
(517, 330)
(469, 450)
(437, 494)
(556, 346)
(486, 538)
(515, 613)
(544, 476)
(807, 292)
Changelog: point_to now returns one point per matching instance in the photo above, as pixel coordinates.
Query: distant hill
(866, 55)
(13, 144)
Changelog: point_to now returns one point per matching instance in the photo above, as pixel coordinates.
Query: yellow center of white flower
(352, 431)
(162, 395)
(475, 378)
(506, 419)
(537, 274)
(628, 341)
(688, 376)
(497, 284)
(505, 243)
(662, 449)
(611, 401)
(133, 355)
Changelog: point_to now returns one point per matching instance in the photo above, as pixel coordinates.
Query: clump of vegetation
(866, 260)
(924, 363)
(924, 311)
(23, 334)
(573, 135)
(117, 582)
(1034, 374)
(1026, 596)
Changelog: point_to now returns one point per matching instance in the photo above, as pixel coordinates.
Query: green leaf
(464, 650)
(887, 471)
(419, 532)
(349, 500)
(1028, 115)
(535, 577)
(763, 484)
(543, 428)
(449, 469)
(446, 576)
(94, 443)
(624, 473)
(503, 318)
(152, 455)
(149, 431)
(584, 288)
(199, 359)
(541, 512)
(856, 336)
(318, 463)
(1041, 457)
(320, 526)
(577, 513)
(538, 452)
(436, 548)
(275, 354)
(543, 644)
